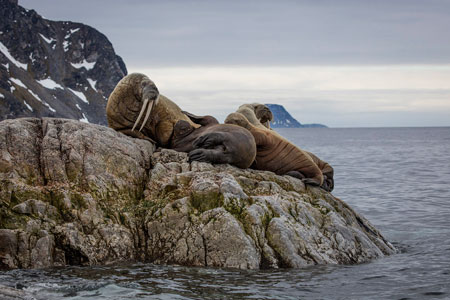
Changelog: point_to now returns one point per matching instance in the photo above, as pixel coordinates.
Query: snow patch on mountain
(8, 55)
(84, 64)
(49, 84)
(80, 95)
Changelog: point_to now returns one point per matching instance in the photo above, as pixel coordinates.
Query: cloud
(341, 63)
(263, 33)
(336, 96)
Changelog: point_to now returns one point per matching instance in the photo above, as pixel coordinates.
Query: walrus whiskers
(149, 111)
(144, 106)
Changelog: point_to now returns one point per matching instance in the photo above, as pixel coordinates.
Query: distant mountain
(54, 68)
(283, 119)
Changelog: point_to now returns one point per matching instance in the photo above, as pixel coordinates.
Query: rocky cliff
(55, 69)
(77, 194)
(283, 119)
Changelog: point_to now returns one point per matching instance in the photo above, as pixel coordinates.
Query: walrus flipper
(212, 148)
(209, 141)
(311, 181)
(213, 156)
(296, 174)
(209, 148)
(327, 171)
(201, 120)
(328, 183)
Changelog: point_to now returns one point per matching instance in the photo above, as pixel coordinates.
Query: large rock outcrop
(54, 68)
(78, 194)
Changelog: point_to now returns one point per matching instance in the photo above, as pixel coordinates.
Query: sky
(347, 63)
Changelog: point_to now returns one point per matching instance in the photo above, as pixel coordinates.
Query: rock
(82, 194)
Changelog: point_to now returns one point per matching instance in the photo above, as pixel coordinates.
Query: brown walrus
(135, 96)
(214, 142)
(166, 125)
(250, 112)
(276, 154)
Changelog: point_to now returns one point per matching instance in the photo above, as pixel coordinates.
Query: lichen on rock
(83, 194)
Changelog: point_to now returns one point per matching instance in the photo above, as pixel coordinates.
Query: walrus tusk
(149, 111)
(144, 106)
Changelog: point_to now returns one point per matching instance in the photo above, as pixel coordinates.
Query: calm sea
(398, 178)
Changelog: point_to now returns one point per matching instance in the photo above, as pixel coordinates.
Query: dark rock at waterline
(82, 194)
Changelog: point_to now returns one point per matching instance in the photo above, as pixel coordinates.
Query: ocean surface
(398, 178)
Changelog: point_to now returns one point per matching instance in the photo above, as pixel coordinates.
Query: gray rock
(80, 194)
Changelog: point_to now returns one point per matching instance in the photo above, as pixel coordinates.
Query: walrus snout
(150, 91)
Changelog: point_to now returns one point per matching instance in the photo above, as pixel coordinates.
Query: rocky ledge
(82, 194)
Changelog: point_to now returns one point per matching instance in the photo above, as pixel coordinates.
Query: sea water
(398, 178)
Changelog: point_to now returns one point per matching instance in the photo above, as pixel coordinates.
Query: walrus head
(148, 94)
(263, 114)
(257, 114)
(238, 119)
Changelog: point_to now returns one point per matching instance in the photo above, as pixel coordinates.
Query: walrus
(275, 153)
(168, 126)
(213, 142)
(250, 112)
(135, 96)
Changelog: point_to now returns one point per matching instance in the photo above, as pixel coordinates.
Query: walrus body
(128, 103)
(259, 115)
(215, 143)
(276, 154)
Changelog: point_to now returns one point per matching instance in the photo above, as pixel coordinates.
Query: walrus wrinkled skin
(135, 96)
(214, 143)
(276, 154)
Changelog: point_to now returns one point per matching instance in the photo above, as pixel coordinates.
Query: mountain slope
(283, 119)
(54, 68)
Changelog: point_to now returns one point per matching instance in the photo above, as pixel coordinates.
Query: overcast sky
(347, 63)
